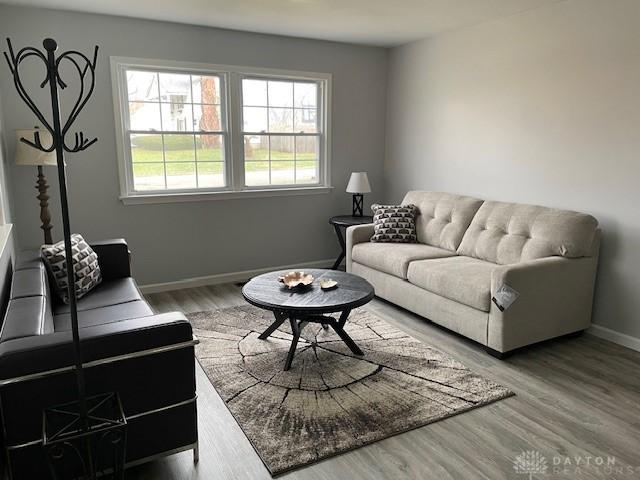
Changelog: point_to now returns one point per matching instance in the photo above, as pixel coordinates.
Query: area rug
(331, 400)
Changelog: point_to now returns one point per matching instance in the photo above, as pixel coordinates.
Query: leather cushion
(30, 282)
(27, 316)
(113, 257)
(103, 315)
(394, 258)
(28, 259)
(463, 279)
(110, 292)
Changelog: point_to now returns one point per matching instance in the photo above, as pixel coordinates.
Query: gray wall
(6, 232)
(5, 207)
(541, 107)
(176, 241)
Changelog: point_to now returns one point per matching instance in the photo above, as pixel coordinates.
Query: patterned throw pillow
(85, 266)
(394, 223)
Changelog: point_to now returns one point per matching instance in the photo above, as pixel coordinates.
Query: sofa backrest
(506, 233)
(29, 309)
(442, 217)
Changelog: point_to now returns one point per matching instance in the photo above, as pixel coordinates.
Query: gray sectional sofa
(468, 248)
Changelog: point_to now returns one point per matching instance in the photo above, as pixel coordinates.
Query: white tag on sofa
(504, 297)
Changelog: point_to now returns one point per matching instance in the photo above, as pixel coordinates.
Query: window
(280, 132)
(198, 129)
(175, 130)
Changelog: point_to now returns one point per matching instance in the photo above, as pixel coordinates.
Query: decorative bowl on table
(328, 284)
(297, 279)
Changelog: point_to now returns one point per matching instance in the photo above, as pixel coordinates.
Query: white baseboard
(228, 277)
(615, 337)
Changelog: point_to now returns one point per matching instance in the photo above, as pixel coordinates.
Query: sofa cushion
(111, 292)
(508, 233)
(28, 259)
(30, 282)
(27, 316)
(442, 217)
(103, 315)
(463, 279)
(394, 258)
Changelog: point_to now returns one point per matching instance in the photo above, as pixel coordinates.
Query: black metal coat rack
(58, 131)
(88, 409)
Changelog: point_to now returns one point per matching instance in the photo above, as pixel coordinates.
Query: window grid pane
(175, 98)
(164, 104)
(281, 159)
(283, 114)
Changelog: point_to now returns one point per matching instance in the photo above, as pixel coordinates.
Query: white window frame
(231, 100)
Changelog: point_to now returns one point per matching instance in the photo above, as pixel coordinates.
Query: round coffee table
(310, 304)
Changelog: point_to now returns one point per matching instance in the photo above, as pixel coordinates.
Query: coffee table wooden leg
(296, 329)
(339, 329)
(280, 318)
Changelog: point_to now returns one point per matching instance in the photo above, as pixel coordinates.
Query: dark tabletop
(265, 291)
(350, 220)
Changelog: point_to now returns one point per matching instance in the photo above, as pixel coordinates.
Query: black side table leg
(343, 246)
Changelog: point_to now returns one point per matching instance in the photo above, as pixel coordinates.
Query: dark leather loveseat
(147, 358)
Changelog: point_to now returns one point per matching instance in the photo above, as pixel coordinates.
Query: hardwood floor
(576, 399)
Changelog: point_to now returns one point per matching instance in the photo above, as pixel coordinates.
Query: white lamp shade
(27, 155)
(358, 183)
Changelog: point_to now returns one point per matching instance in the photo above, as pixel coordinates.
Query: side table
(342, 222)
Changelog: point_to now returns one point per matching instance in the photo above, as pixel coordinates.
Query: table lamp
(358, 184)
(27, 155)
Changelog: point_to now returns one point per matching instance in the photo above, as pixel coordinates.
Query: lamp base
(45, 215)
(358, 202)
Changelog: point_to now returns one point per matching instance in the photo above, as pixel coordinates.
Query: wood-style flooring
(577, 401)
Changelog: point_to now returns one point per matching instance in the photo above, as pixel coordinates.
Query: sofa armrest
(113, 257)
(44, 353)
(357, 234)
(148, 361)
(555, 298)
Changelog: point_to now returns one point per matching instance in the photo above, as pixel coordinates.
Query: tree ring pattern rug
(331, 400)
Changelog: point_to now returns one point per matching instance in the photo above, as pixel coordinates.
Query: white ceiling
(372, 22)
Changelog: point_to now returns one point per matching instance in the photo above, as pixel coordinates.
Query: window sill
(224, 195)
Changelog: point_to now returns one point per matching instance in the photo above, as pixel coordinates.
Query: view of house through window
(179, 130)
(176, 131)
